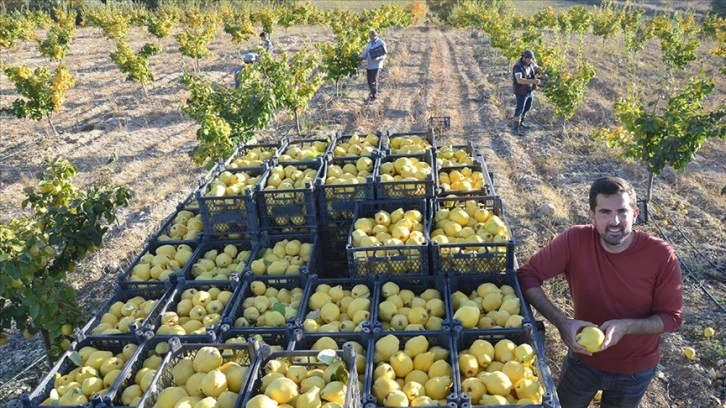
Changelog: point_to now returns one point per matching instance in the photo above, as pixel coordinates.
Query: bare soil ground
(542, 175)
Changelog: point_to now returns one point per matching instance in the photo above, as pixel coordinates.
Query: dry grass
(431, 72)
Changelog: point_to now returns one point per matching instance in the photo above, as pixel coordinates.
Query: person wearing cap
(524, 82)
(249, 58)
(374, 53)
(266, 43)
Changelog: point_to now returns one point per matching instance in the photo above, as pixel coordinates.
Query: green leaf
(279, 308)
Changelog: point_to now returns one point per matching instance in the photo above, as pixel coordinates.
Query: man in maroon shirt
(623, 281)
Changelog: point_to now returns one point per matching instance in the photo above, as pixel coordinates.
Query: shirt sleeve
(668, 300)
(547, 263)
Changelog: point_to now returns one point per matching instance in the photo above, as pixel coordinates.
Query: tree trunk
(650, 186)
(46, 339)
(52, 126)
(297, 123)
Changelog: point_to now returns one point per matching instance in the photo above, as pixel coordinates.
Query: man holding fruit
(624, 283)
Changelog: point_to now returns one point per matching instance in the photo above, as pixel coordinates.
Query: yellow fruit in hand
(591, 338)
(708, 332)
(689, 352)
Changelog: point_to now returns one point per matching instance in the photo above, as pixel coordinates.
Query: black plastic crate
(204, 269)
(333, 236)
(253, 155)
(338, 149)
(288, 210)
(472, 257)
(486, 188)
(150, 353)
(309, 358)
(287, 282)
(268, 242)
(170, 271)
(243, 354)
(392, 147)
(158, 293)
(67, 362)
(441, 339)
(405, 189)
(389, 260)
(463, 339)
(186, 288)
(346, 285)
(273, 337)
(289, 144)
(468, 284)
(417, 285)
(231, 214)
(336, 202)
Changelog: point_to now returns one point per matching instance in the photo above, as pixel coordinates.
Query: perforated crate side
(347, 284)
(336, 202)
(427, 135)
(401, 190)
(230, 216)
(416, 284)
(267, 241)
(159, 292)
(390, 260)
(288, 282)
(463, 339)
(435, 338)
(233, 286)
(308, 358)
(480, 258)
(65, 364)
(334, 239)
(441, 153)
(280, 337)
(305, 341)
(242, 354)
(468, 284)
(125, 280)
(231, 162)
(340, 139)
(197, 266)
(289, 210)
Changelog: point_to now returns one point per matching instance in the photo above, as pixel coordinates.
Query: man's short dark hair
(609, 186)
(263, 34)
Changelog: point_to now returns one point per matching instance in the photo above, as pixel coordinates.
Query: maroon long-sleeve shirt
(639, 282)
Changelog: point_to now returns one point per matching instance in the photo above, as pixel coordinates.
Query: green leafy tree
(194, 41)
(113, 23)
(43, 91)
(161, 22)
(238, 25)
(135, 65)
(669, 135)
(245, 109)
(679, 42)
(606, 21)
(39, 250)
(16, 27)
(293, 80)
(60, 35)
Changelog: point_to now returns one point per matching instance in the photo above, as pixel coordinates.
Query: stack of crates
(290, 249)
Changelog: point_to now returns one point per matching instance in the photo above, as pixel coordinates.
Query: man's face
(372, 37)
(527, 60)
(613, 219)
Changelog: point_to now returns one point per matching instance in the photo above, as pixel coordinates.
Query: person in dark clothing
(266, 42)
(524, 81)
(374, 53)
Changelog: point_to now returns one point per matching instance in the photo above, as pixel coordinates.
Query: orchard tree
(161, 22)
(43, 91)
(40, 249)
(60, 35)
(669, 135)
(135, 65)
